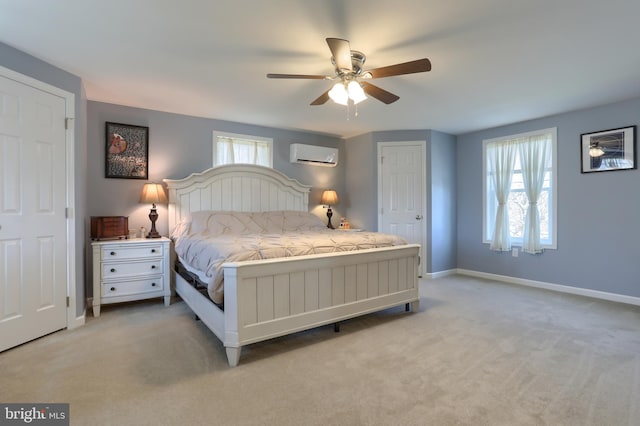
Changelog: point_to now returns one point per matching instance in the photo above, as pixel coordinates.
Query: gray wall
(35, 68)
(442, 223)
(598, 231)
(362, 189)
(361, 196)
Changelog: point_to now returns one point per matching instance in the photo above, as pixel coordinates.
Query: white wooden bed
(269, 298)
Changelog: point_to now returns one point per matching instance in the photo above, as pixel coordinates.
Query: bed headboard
(236, 187)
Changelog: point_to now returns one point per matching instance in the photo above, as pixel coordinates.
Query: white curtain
(224, 152)
(244, 152)
(235, 151)
(501, 158)
(535, 157)
(262, 154)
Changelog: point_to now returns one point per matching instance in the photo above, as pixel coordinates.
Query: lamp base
(329, 214)
(153, 234)
(153, 216)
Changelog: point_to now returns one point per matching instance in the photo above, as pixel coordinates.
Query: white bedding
(213, 238)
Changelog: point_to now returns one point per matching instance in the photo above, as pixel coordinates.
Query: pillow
(213, 222)
(181, 229)
(221, 222)
(276, 222)
(302, 221)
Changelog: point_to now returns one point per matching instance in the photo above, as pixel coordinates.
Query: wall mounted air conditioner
(314, 155)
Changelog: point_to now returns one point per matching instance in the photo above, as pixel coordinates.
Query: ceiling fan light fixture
(356, 93)
(351, 76)
(339, 94)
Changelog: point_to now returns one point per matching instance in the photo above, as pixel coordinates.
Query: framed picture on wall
(127, 151)
(609, 150)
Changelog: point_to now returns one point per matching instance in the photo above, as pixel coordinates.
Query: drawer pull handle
(112, 289)
(113, 269)
(153, 284)
(153, 250)
(153, 266)
(113, 253)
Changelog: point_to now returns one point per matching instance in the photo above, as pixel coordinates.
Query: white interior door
(401, 191)
(33, 242)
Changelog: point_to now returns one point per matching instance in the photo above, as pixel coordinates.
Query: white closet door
(33, 246)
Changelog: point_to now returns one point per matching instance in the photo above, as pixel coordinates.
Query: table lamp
(153, 193)
(329, 197)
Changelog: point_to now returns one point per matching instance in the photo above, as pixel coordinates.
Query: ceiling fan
(350, 75)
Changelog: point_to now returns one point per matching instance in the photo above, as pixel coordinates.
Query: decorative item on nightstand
(329, 197)
(153, 193)
(109, 227)
(344, 223)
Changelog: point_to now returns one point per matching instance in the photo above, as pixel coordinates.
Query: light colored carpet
(477, 353)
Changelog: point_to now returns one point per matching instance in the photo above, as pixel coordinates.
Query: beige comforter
(213, 243)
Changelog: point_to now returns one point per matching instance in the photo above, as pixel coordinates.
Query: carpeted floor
(477, 353)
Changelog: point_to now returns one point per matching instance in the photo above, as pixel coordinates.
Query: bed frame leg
(233, 355)
(406, 307)
(415, 306)
(336, 327)
(197, 318)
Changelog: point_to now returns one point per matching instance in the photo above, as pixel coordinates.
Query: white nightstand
(126, 270)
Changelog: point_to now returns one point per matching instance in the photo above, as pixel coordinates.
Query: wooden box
(109, 227)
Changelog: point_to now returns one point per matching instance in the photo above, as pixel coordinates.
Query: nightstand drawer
(132, 287)
(114, 270)
(150, 250)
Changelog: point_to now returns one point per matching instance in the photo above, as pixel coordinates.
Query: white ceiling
(494, 61)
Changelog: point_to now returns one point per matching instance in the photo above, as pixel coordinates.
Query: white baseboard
(596, 294)
(439, 274)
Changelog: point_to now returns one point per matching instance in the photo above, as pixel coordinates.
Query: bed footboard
(269, 298)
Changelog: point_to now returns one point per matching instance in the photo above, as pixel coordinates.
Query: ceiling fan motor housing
(357, 61)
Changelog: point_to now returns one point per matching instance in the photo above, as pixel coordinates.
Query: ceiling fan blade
(378, 93)
(306, 76)
(411, 67)
(321, 99)
(341, 54)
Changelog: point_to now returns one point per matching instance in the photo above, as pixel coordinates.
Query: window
(519, 189)
(229, 148)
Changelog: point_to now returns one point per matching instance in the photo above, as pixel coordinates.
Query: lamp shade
(329, 197)
(153, 193)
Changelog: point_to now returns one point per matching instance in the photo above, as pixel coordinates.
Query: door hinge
(381, 160)
(68, 301)
(67, 123)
